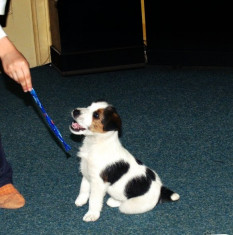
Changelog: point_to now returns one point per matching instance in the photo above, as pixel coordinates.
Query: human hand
(14, 64)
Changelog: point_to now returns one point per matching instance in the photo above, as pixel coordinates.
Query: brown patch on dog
(97, 125)
(104, 177)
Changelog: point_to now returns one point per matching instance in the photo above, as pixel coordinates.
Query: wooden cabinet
(90, 36)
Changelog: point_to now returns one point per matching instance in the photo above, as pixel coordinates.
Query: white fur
(98, 151)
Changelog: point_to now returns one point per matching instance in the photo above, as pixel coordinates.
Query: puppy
(107, 167)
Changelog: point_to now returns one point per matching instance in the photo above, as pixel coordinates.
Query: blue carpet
(177, 121)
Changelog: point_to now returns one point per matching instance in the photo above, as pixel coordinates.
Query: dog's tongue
(75, 125)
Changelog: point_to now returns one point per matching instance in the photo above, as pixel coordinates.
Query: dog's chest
(94, 159)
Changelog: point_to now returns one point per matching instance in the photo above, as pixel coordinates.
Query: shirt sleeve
(2, 12)
(2, 6)
(2, 33)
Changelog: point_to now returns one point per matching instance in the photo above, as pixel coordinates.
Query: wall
(28, 28)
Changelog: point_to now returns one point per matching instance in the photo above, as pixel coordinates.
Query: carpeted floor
(177, 121)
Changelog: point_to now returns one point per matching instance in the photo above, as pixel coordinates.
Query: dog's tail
(167, 195)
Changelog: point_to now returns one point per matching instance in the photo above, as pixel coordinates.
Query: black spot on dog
(139, 185)
(139, 162)
(150, 174)
(114, 172)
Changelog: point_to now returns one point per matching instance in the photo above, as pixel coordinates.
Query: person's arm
(14, 64)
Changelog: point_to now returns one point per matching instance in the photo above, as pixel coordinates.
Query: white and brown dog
(107, 167)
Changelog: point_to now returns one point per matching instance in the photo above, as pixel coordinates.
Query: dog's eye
(96, 115)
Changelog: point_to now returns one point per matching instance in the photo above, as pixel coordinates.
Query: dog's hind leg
(136, 205)
(141, 204)
(84, 193)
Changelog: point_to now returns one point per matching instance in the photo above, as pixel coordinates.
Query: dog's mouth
(76, 127)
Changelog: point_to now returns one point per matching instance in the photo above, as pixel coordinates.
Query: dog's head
(99, 117)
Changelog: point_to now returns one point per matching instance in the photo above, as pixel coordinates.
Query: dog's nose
(76, 113)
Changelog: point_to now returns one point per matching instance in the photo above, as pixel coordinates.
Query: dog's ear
(112, 120)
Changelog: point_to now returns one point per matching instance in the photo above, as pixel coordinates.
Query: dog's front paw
(81, 200)
(91, 216)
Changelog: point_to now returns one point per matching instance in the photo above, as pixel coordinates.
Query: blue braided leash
(49, 120)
